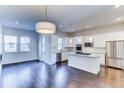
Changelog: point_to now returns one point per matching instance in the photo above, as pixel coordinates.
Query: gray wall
(21, 56)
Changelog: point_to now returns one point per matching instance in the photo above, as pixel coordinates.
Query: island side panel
(89, 64)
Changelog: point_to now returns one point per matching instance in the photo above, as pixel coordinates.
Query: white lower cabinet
(64, 56)
(102, 59)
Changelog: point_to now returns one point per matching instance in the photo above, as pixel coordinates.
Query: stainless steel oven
(78, 48)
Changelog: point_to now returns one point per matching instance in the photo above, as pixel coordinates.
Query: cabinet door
(68, 42)
(101, 40)
(96, 41)
(102, 59)
(78, 40)
(64, 56)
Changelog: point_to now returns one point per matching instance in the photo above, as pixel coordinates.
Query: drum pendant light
(45, 27)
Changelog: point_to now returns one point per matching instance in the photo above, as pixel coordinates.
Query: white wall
(21, 56)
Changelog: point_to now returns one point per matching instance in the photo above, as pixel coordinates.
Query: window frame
(25, 43)
(5, 44)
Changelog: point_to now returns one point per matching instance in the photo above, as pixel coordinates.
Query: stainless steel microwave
(89, 44)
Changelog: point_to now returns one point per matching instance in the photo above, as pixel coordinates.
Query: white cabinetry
(69, 42)
(64, 56)
(78, 40)
(85, 39)
(99, 40)
(96, 41)
(102, 59)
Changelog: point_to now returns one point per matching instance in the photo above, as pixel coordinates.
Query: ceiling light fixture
(45, 27)
(116, 6)
(90, 39)
(118, 19)
(87, 26)
(61, 26)
(72, 29)
(17, 22)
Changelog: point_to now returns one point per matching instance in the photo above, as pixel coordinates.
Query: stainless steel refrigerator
(115, 54)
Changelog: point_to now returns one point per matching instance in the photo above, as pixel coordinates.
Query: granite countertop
(81, 55)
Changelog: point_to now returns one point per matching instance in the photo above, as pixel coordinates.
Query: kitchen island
(89, 63)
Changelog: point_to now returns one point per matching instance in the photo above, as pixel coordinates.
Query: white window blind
(10, 43)
(24, 44)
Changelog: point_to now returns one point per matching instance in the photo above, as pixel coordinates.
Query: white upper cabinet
(85, 39)
(69, 42)
(57, 43)
(99, 40)
(78, 40)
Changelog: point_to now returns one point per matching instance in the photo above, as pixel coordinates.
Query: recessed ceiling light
(87, 26)
(61, 26)
(72, 30)
(116, 6)
(118, 19)
(17, 22)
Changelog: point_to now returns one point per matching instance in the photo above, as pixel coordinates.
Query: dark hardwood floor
(40, 75)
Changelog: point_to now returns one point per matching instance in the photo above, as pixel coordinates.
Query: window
(59, 43)
(24, 44)
(10, 43)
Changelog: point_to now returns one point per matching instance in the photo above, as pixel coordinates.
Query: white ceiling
(72, 18)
